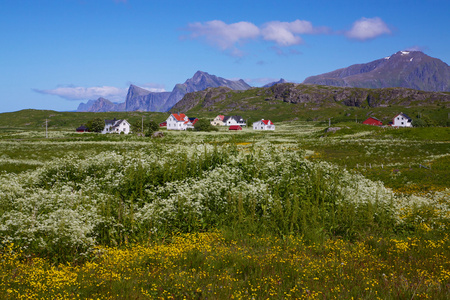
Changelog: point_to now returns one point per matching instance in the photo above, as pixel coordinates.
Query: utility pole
(142, 124)
(329, 122)
(46, 131)
(356, 118)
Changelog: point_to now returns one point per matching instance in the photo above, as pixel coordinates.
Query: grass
(226, 214)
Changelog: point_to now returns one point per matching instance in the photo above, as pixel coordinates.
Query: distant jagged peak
(202, 80)
(200, 76)
(101, 99)
(136, 90)
(275, 82)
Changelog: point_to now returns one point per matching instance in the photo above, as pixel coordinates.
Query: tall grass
(64, 208)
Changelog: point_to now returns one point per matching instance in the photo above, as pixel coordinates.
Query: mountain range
(294, 97)
(404, 69)
(408, 69)
(145, 100)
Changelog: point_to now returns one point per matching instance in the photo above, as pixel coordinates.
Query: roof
(373, 118)
(221, 117)
(110, 122)
(404, 115)
(237, 118)
(267, 122)
(117, 123)
(82, 127)
(179, 117)
(373, 121)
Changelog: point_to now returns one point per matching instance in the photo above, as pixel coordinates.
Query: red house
(373, 121)
(235, 127)
(163, 124)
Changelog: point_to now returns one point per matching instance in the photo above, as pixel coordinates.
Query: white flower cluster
(75, 203)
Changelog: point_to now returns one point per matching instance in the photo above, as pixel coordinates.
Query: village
(181, 121)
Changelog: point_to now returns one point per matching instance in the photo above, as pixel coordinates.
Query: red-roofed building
(373, 121)
(218, 120)
(163, 124)
(235, 127)
(263, 125)
(177, 122)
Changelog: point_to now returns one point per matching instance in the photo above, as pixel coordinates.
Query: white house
(218, 121)
(177, 122)
(116, 126)
(402, 120)
(234, 120)
(263, 125)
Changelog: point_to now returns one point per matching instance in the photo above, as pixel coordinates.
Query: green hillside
(289, 102)
(32, 119)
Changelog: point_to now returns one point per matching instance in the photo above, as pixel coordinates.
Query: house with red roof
(177, 122)
(263, 125)
(373, 121)
(218, 121)
(180, 122)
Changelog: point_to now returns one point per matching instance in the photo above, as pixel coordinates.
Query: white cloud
(368, 28)
(286, 33)
(226, 36)
(153, 87)
(417, 48)
(223, 35)
(86, 93)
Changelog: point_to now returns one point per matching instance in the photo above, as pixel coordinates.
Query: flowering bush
(73, 203)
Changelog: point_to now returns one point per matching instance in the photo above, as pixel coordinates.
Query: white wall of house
(123, 126)
(107, 128)
(174, 124)
(171, 123)
(117, 127)
(217, 121)
(233, 121)
(401, 121)
(261, 126)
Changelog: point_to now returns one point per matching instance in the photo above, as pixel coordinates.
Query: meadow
(296, 213)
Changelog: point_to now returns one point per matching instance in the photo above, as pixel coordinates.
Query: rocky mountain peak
(409, 69)
(275, 82)
(198, 76)
(135, 90)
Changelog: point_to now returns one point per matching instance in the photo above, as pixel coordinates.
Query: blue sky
(57, 53)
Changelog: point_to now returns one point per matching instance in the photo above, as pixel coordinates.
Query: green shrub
(204, 125)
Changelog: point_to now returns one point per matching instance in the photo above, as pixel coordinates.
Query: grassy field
(300, 212)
